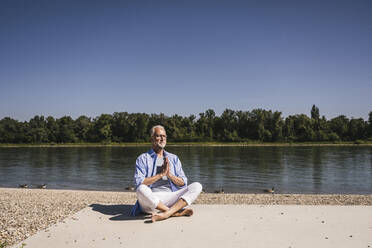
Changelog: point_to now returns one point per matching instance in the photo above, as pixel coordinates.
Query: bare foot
(184, 212)
(163, 215)
(158, 217)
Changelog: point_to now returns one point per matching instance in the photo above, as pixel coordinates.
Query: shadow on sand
(118, 212)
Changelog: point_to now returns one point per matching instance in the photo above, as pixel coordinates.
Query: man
(161, 183)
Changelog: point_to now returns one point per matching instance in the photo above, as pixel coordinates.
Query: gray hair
(152, 130)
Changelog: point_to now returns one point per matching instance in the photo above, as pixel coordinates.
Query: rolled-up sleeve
(140, 172)
(179, 171)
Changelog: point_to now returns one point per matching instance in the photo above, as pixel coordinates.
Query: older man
(161, 183)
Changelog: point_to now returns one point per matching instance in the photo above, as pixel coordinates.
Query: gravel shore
(23, 212)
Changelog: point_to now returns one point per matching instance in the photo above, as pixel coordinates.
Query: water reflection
(235, 169)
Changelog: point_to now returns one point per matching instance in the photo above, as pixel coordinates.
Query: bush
(334, 137)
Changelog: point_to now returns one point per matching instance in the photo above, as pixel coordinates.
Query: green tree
(243, 124)
(315, 112)
(205, 125)
(37, 130)
(66, 130)
(339, 126)
(370, 125)
(158, 119)
(102, 128)
(53, 129)
(120, 127)
(174, 128)
(357, 129)
(140, 127)
(226, 126)
(256, 126)
(275, 125)
(9, 130)
(289, 129)
(82, 128)
(299, 128)
(322, 130)
(189, 125)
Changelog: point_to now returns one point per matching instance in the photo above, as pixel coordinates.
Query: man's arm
(176, 180)
(153, 179)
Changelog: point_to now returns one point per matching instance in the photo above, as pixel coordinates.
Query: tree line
(231, 126)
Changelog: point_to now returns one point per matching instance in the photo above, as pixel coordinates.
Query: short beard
(158, 145)
(161, 145)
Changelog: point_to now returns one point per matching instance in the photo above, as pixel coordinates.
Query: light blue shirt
(146, 167)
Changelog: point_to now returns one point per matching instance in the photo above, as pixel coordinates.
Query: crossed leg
(169, 203)
(175, 210)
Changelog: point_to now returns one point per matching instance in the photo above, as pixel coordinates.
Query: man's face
(159, 140)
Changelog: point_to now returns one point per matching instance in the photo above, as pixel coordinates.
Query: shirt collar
(153, 153)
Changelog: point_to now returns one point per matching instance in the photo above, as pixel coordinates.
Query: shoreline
(195, 144)
(23, 212)
(258, 192)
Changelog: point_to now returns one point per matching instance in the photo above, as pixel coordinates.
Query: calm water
(235, 169)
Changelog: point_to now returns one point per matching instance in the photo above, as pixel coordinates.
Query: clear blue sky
(182, 57)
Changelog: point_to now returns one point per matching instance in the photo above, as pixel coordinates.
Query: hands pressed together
(165, 168)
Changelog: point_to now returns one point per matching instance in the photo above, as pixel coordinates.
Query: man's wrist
(173, 178)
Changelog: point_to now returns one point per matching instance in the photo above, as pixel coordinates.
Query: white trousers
(149, 200)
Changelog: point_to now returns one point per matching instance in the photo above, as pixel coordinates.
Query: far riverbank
(186, 144)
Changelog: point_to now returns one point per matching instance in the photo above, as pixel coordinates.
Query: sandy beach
(24, 212)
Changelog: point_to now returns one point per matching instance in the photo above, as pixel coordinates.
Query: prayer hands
(165, 170)
(166, 161)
